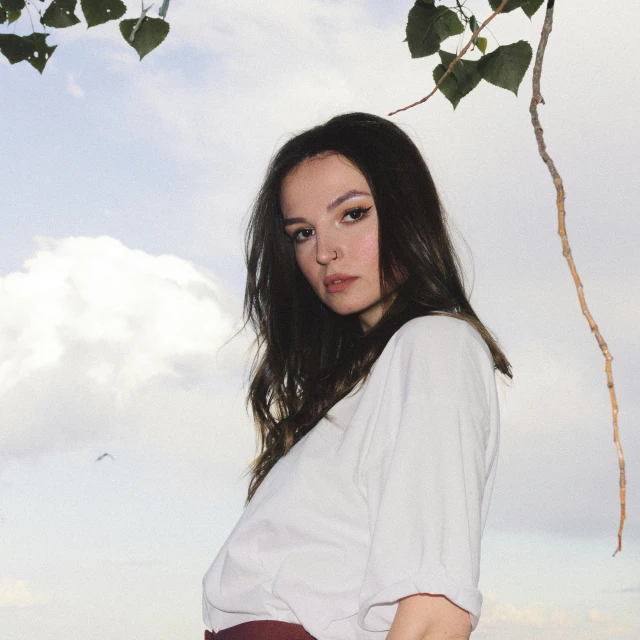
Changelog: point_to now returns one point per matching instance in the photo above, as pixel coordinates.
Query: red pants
(261, 630)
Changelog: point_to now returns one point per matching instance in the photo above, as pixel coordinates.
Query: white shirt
(385, 498)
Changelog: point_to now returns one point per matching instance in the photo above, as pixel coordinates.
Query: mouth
(338, 282)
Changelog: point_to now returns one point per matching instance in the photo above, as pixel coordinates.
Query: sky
(125, 192)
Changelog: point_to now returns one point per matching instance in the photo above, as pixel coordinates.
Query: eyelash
(363, 210)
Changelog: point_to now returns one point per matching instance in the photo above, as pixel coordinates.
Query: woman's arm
(427, 478)
(429, 617)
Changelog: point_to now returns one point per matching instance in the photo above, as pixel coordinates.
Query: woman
(374, 395)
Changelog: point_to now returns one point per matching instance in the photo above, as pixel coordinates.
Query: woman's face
(330, 215)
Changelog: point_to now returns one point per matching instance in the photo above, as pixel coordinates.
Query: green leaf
(42, 51)
(13, 15)
(531, 6)
(100, 11)
(428, 26)
(12, 5)
(60, 14)
(505, 67)
(3, 16)
(473, 25)
(481, 43)
(151, 33)
(512, 5)
(449, 86)
(461, 81)
(15, 48)
(465, 71)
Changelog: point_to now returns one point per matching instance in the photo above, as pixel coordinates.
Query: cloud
(263, 69)
(257, 70)
(260, 70)
(557, 457)
(72, 86)
(536, 622)
(271, 64)
(635, 589)
(17, 593)
(90, 325)
(497, 612)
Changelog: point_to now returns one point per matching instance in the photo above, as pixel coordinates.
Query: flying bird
(103, 456)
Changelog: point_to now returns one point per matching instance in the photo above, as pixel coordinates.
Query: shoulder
(438, 355)
(435, 370)
(439, 334)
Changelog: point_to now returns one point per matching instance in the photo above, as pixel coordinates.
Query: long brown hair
(309, 357)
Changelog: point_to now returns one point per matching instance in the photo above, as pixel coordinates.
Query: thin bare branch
(537, 99)
(455, 60)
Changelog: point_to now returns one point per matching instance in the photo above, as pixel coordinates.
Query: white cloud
(17, 593)
(229, 81)
(557, 457)
(89, 325)
(596, 615)
(72, 86)
(495, 611)
(536, 622)
(282, 66)
(264, 69)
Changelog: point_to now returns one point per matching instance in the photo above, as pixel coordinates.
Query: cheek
(367, 249)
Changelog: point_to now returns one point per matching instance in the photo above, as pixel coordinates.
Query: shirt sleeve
(429, 468)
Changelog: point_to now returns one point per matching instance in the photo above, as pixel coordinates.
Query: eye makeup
(298, 236)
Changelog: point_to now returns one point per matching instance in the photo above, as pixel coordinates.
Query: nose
(326, 248)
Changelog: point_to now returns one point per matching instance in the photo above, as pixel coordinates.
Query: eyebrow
(332, 205)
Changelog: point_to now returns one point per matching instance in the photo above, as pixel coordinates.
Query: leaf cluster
(144, 33)
(428, 26)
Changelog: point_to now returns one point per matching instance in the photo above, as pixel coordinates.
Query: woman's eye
(356, 214)
(301, 235)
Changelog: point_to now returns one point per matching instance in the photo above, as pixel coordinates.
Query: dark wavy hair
(310, 357)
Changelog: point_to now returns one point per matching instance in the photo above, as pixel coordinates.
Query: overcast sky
(125, 189)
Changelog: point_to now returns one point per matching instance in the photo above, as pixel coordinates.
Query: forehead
(319, 180)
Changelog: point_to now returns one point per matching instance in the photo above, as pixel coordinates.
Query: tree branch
(537, 99)
(455, 60)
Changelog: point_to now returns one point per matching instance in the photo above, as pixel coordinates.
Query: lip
(333, 286)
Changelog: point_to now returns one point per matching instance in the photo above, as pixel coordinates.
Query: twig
(162, 11)
(536, 99)
(29, 14)
(137, 25)
(455, 60)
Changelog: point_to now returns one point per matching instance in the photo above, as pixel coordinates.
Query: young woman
(374, 396)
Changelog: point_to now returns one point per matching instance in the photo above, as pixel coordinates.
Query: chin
(347, 309)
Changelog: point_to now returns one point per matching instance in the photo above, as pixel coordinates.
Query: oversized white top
(385, 498)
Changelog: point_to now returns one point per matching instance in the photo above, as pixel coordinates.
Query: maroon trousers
(261, 630)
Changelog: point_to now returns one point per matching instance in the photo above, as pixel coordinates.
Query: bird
(103, 456)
